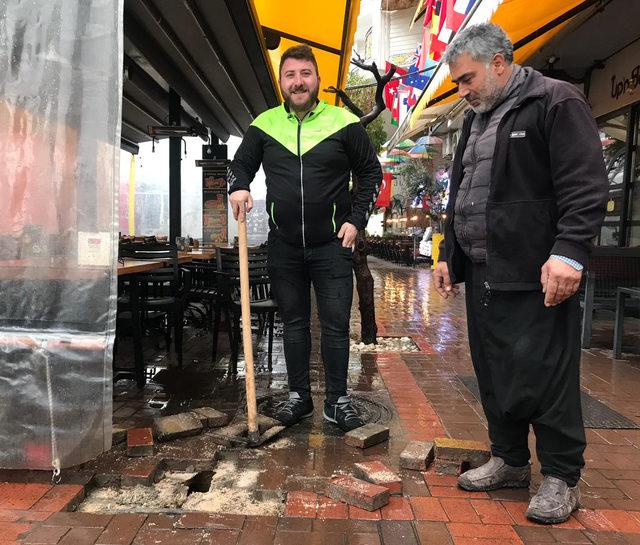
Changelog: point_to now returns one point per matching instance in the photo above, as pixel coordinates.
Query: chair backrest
(228, 261)
(610, 268)
(163, 281)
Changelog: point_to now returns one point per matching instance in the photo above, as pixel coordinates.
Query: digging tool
(254, 438)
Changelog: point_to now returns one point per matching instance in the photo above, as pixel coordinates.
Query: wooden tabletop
(203, 254)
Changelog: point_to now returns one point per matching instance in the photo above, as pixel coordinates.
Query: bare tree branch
(381, 81)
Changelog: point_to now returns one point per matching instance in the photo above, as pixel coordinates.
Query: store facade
(614, 94)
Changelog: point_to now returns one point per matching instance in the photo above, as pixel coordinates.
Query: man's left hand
(559, 281)
(348, 234)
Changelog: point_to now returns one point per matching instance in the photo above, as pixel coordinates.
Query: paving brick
(569, 536)
(44, 534)
(35, 516)
(447, 467)
(475, 453)
(377, 473)
(482, 531)
(430, 509)
(210, 520)
(21, 495)
(168, 537)
(362, 514)
(397, 533)
(460, 510)
(294, 524)
(11, 515)
(433, 533)
(622, 521)
(210, 417)
(455, 492)
(140, 442)
(81, 536)
(367, 435)
(364, 539)
(593, 520)
(535, 534)
(118, 435)
(172, 427)
(301, 504)
(257, 534)
(140, 471)
(221, 537)
(331, 509)
(491, 512)
(61, 497)
(121, 530)
(358, 492)
(73, 520)
(417, 455)
(435, 479)
(397, 509)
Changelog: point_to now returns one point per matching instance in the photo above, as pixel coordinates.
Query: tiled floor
(427, 400)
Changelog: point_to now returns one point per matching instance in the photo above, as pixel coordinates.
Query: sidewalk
(427, 399)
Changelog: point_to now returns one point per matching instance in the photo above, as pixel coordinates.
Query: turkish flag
(384, 197)
(391, 88)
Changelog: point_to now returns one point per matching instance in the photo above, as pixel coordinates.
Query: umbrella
(405, 144)
(428, 139)
(397, 153)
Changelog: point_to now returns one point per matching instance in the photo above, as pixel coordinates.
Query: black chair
(208, 287)
(160, 293)
(609, 268)
(261, 300)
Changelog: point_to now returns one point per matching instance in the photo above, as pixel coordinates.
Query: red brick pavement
(429, 402)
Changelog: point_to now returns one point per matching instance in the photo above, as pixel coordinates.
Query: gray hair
(482, 42)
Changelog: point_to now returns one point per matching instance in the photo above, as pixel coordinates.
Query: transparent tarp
(60, 94)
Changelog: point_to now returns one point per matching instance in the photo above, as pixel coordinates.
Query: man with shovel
(308, 149)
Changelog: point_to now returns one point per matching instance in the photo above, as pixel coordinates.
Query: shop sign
(618, 84)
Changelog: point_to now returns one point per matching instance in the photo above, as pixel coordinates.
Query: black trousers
(329, 268)
(527, 360)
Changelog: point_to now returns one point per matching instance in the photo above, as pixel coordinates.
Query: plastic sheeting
(60, 96)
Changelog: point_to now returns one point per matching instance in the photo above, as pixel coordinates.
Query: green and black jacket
(307, 166)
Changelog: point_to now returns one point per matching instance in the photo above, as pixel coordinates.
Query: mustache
(298, 89)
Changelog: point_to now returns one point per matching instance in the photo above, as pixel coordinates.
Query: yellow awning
(328, 27)
(529, 26)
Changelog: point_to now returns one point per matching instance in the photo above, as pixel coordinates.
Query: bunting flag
(391, 87)
(441, 23)
(384, 197)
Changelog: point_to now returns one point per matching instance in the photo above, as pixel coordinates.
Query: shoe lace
(287, 405)
(348, 410)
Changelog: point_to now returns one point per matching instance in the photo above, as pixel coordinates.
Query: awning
(529, 26)
(211, 52)
(327, 26)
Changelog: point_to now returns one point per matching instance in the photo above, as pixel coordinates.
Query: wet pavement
(419, 395)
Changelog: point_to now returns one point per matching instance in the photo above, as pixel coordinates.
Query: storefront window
(613, 134)
(634, 216)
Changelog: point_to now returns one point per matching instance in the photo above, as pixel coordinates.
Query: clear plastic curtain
(60, 110)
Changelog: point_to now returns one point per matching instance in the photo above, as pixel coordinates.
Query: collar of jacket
(321, 105)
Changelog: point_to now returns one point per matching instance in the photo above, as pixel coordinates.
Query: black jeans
(329, 268)
(527, 360)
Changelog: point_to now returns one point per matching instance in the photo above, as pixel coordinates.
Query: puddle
(386, 344)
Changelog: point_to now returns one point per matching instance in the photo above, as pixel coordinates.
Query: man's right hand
(442, 281)
(241, 203)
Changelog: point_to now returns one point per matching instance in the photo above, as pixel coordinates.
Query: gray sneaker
(554, 502)
(495, 474)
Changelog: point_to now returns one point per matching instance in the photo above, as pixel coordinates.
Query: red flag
(384, 197)
(391, 88)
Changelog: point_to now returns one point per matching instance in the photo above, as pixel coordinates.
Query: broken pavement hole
(200, 483)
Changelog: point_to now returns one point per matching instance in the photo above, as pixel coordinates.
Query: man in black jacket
(308, 150)
(527, 197)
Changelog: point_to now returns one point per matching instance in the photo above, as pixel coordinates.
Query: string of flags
(442, 20)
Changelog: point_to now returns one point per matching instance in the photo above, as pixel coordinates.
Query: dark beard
(307, 106)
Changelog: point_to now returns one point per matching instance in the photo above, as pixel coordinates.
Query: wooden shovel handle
(247, 345)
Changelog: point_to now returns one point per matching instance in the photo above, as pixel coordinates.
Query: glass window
(613, 134)
(634, 198)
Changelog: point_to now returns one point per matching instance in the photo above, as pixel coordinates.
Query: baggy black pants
(292, 270)
(527, 360)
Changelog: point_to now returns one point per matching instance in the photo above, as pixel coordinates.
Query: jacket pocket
(520, 236)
